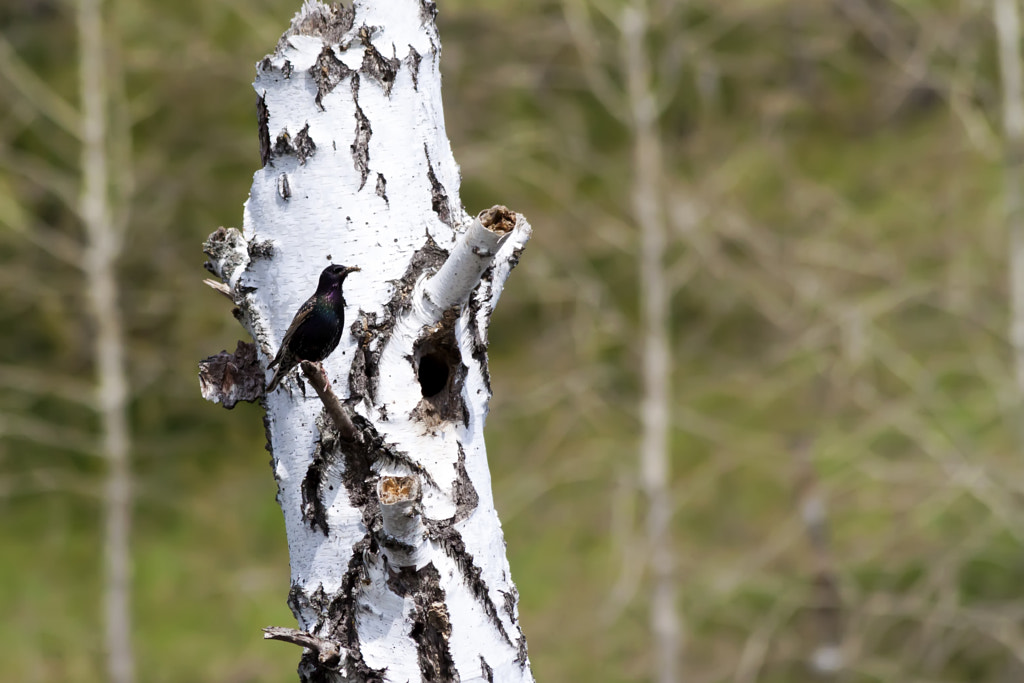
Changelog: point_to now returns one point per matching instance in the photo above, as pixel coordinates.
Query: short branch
(461, 272)
(316, 375)
(228, 378)
(403, 525)
(328, 653)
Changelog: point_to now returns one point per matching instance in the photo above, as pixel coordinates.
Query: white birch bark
(102, 250)
(649, 212)
(1006, 16)
(398, 566)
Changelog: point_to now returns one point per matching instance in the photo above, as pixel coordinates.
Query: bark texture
(398, 564)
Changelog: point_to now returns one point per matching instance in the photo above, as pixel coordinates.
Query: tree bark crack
(361, 142)
(380, 68)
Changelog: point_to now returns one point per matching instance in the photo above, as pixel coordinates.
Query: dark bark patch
(361, 144)
(451, 541)
(267, 446)
(283, 144)
(327, 72)
(375, 65)
(287, 68)
(431, 626)
(464, 493)
(330, 22)
(438, 365)
(513, 259)
(284, 188)
(225, 248)
(382, 188)
(228, 378)
(372, 334)
(479, 303)
(486, 671)
(355, 461)
(438, 196)
(302, 147)
(263, 124)
(510, 603)
(342, 612)
(428, 11)
(314, 511)
(412, 61)
(521, 655)
(260, 249)
(362, 332)
(336, 621)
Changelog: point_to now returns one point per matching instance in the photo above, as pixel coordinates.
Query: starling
(316, 328)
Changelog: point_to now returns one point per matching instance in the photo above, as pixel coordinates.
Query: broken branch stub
(474, 252)
(397, 556)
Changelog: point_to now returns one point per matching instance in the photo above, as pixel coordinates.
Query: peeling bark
(382, 474)
(228, 378)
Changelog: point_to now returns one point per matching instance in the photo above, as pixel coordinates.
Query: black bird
(316, 328)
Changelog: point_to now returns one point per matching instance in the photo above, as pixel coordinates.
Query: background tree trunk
(648, 211)
(1006, 16)
(100, 255)
(398, 568)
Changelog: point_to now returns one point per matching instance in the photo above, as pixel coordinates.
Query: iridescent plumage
(317, 326)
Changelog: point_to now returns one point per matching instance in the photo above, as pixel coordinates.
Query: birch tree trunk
(1006, 16)
(398, 569)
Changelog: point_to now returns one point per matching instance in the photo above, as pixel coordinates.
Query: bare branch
(39, 382)
(328, 652)
(48, 434)
(317, 376)
(36, 91)
(581, 30)
(220, 287)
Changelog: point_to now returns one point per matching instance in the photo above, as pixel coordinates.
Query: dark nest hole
(441, 374)
(433, 374)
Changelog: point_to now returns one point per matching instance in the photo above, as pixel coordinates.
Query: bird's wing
(300, 317)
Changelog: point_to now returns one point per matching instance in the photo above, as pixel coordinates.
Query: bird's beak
(353, 269)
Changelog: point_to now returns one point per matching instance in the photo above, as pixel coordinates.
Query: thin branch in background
(1006, 16)
(102, 250)
(827, 659)
(649, 212)
(44, 383)
(47, 434)
(634, 560)
(36, 91)
(581, 30)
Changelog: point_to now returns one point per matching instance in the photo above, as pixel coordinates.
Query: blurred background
(823, 187)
